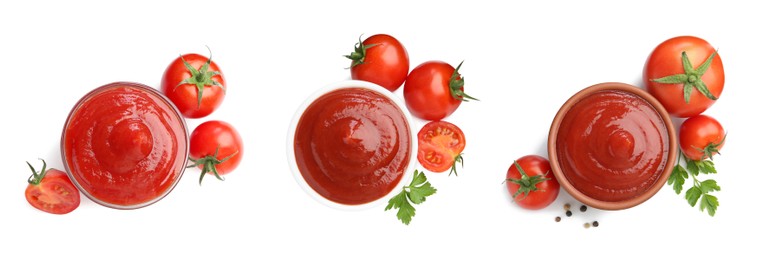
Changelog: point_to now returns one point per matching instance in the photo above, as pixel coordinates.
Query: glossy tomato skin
(212, 135)
(439, 142)
(427, 91)
(697, 132)
(547, 190)
(666, 60)
(185, 95)
(55, 194)
(386, 62)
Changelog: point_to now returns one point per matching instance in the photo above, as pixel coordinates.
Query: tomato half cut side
(440, 144)
(51, 191)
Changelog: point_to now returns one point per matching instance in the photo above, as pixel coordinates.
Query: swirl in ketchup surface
(125, 145)
(352, 145)
(612, 145)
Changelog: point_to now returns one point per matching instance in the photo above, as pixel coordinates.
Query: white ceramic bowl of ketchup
(347, 84)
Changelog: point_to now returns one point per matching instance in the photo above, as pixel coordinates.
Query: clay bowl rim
(610, 205)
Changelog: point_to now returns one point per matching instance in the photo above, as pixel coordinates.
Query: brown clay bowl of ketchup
(612, 146)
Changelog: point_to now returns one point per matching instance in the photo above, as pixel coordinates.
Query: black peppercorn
(557, 219)
(568, 213)
(583, 208)
(596, 224)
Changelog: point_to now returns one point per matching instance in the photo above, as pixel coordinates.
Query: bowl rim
(612, 205)
(345, 84)
(151, 91)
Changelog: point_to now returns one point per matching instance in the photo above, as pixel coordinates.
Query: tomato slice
(54, 194)
(440, 144)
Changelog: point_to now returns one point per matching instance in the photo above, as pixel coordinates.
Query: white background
(522, 61)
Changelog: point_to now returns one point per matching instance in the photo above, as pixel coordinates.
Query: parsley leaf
(678, 178)
(709, 185)
(416, 193)
(693, 194)
(700, 191)
(418, 178)
(419, 194)
(692, 167)
(406, 211)
(706, 166)
(710, 203)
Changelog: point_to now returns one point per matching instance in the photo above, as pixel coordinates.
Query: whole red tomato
(685, 74)
(531, 183)
(701, 137)
(195, 84)
(215, 147)
(434, 90)
(380, 59)
(51, 191)
(440, 146)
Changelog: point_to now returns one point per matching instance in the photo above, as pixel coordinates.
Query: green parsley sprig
(700, 191)
(416, 193)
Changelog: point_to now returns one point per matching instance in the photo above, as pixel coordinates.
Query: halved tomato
(440, 146)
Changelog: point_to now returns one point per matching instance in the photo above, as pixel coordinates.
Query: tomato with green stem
(195, 84)
(531, 183)
(440, 146)
(434, 90)
(380, 59)
(685, 74)
(701, 137)
(51, 191)
(215, 147)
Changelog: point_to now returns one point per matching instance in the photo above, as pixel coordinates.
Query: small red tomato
(685, 74)
(51, 191)
(380, 59)
(701, 137)
(531, 183)
(434, 90)
(440, 146)
(195, 84)
(215, 147)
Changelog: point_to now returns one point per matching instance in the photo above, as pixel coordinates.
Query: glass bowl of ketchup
(352, 145)
(612, 146)
(125, 145)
